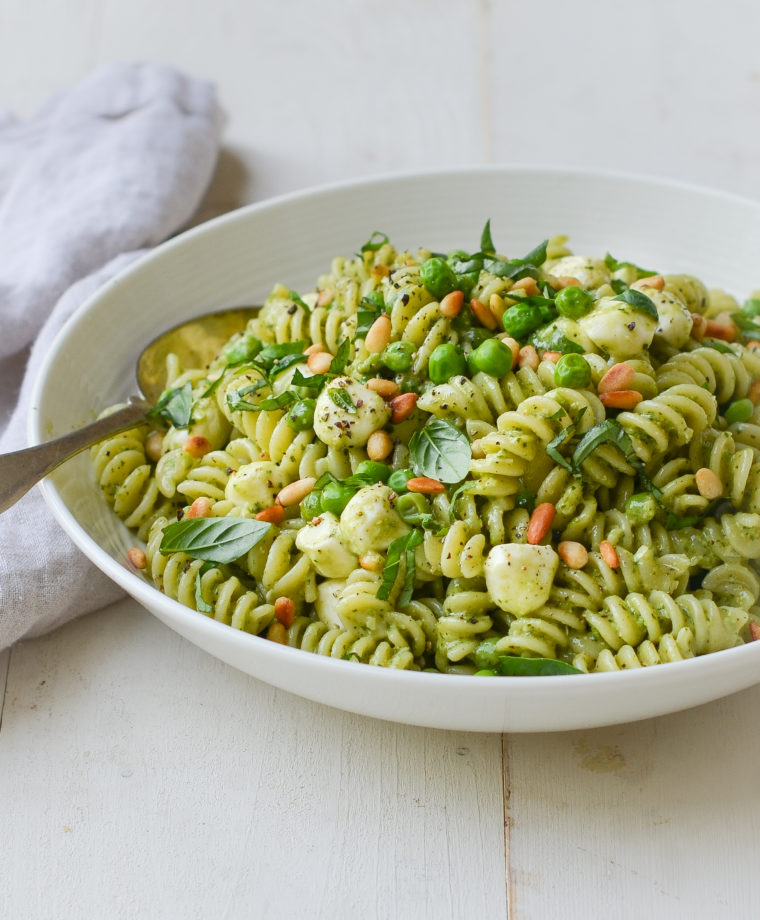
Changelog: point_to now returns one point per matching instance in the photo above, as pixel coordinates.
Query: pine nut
(425, 485)
(618, 377)
(154, 444)
(528, 357)
(698, 326)
(385, 388)
(284, 611)
(201, 507)
(483, 314)
(574, 555)
(514, 346)
(379, 445)
(272, 515)
(564, 281)
(325, 298)
(451, 304)
(609, 554)
(540, 522)
(196, 445)
(313, 349)
(621, 399)
(528, 285)
(402, 407)
(380, 270)
(754, 392)
(137, 557)
(754, 631)
(708, 483)
(277, 633)
(651, 281)
(753, 345)
(379, 335)
(319, 362)
(296, 491)
(372, 562)
(718, 329)
(497, 306)
(552, 356)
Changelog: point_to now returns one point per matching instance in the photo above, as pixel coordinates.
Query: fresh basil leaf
(751, 306)
(719, 346)
(323, 480)
(536, 256)
(339, 362)
(296, 298)
(613, 265)
(175, 405)
(514, 269)
(746, 322)
(271, 357)
(200, 604)
(638, 300)
(486, 241)
(215, 383)
(236, 398)
(279, 402)
(515, 666)
(374, 243)
(525, 498)
(440, 451)
(398, 548)
(618, 285)
(534, 300)
(342, 399)
(607, 431)
(213, 539)
(410, 567)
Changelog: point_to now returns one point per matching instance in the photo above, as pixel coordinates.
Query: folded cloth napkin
(115, 165)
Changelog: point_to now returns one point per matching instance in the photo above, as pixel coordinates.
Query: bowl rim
(146, 594)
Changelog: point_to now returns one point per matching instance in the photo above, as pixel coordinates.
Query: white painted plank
(657, 819)
(140, 777)
(648, 89)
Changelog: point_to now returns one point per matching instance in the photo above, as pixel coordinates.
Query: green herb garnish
(638, 300)
(375, 242)
(176, 406)
(218, 540)
(401, 546)
(440, 451)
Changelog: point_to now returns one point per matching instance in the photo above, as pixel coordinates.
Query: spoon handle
(20, 470)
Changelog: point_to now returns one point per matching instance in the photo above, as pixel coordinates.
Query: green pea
(572, 371)
(311, 506)
(301, 414)
(438, 277)
(412, 507)
(486, 655)
(485, 672)
(740, 410)
(446, 361)
(641, 508)
(399, 478)
(335, 497)
(751, 306)
(373, 471)
(491, 357)
(397, 357)
(573, 301)
(521, 319)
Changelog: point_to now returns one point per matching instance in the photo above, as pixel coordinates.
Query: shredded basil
(401, 546)
(218, 540)
(296, 298)
(200, 604)
(614, 265)
(342, 398)
(719, 346)
(515, 666)
(552, 448)
(375, 242)
(176, 406)
(486, 240)
(638, 300)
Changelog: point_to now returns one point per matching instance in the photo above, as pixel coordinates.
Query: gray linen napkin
(116, 164)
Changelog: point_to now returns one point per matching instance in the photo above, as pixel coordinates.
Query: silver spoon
(195, 342)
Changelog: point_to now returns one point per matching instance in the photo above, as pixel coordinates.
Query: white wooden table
(140, 777)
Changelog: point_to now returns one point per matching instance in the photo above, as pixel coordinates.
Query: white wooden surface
(141, 778)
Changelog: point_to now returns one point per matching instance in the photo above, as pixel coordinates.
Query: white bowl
(237, 258)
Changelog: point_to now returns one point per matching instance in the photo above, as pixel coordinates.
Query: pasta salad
(464, 462)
